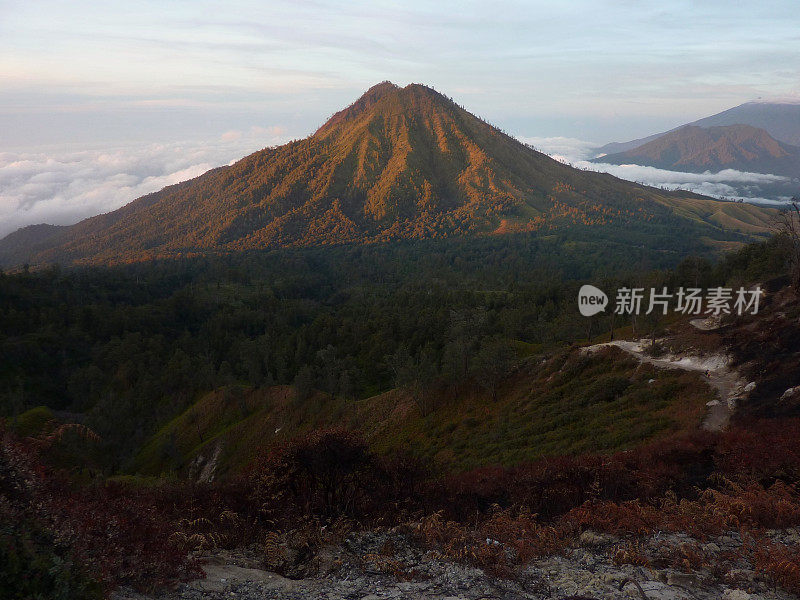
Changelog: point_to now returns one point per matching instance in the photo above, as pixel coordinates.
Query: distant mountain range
(693, 148)
(399, 163)
(781, 120)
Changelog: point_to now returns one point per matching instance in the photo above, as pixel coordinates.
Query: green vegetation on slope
(132, 347)
(572, 403)
(125, 350)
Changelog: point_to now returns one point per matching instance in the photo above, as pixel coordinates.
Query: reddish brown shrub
(457, 542)
(330, 474)
(630, 553)
(493, 517)
(118, 534)
(680, 467)
(781, 564)
(766, 451)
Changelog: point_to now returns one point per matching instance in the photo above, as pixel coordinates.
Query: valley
(353, 366)
(545, 461)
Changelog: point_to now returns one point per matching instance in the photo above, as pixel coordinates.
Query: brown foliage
(312, 490)
(780, 563)
(330, 474)
(120, 533)
(631, 553)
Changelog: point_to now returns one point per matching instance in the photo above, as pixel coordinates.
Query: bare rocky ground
(361, 568)
(714, 368)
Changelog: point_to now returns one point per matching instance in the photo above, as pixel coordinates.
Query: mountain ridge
(780, 119)
(698, 149)
(398, 163)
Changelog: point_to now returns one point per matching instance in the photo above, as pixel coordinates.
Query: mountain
(781, 120)
(399, 163)
(17, 246)
(697, 149)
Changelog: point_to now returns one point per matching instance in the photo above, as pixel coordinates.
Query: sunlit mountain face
(399, 163)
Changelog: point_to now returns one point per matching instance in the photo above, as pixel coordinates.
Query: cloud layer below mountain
(64, 187)
(728, 183)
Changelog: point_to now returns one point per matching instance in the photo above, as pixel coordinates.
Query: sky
(103, 100)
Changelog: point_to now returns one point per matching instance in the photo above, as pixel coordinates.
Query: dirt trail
(714, 368)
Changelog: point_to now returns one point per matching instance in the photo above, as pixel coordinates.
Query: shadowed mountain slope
(696, 149)
(780, 119)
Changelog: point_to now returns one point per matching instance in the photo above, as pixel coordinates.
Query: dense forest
(125, 349)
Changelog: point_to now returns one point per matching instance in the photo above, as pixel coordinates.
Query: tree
(463, 337)
(347, 387)
(331, 367)
(493, 363)
(788, 228)
(304, 382)
(16, 401)
(415, 375)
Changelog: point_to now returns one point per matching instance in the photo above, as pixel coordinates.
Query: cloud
(654, 176)
(789, 98)
(565, 149)
(230, 136)
(728, 183)
(273, 132)
(64, 187)
(276, 131)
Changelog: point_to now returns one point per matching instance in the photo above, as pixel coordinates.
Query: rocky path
(592, 569)
(714, 368)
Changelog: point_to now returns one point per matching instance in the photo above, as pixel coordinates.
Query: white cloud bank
(63, 188)
(728, 183)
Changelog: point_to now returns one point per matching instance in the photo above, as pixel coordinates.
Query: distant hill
(399, 163)
(697, 149)
(780, 119)
(17, 247)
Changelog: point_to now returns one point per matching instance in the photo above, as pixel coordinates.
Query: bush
(331, 474)
(681, 466)
(33, 421)
(330, 481)
(31, 568)
(123, 534)
(118, 534)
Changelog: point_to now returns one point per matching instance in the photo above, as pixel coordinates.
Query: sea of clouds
(728, 183)
(62, 187)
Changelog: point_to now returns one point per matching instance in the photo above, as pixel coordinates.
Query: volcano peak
(398, 163)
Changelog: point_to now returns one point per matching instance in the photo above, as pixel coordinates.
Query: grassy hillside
(731, 216)
(570, 403)
(127, 350)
